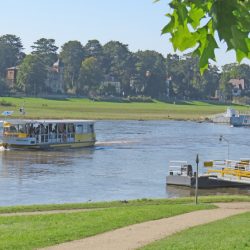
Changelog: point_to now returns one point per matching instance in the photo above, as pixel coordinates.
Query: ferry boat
(240, 120)
(48, 134)
(220, 173)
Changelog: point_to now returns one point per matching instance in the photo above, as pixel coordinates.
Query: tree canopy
(194, 24)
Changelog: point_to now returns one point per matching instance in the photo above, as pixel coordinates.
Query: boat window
(13, 129)
(61, 128)
(91, 126)
(21, 128)
(79, 129)
(71, 128)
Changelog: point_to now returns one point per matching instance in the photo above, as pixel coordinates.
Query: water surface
(129, 161)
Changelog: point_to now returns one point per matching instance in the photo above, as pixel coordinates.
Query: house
(110, 87)
(11, 75)
(237, 86)
(54, 81)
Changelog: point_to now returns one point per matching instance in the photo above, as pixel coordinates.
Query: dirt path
(51, 212)
(138, 235)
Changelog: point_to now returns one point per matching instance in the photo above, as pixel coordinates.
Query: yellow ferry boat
(48, 134)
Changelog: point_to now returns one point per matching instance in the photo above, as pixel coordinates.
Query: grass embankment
(77, 108)
(34, 231)
(113, 204)
(31, 232)
(231, 233)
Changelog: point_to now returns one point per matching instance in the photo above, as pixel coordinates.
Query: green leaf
(240, 55)
(169, 27)
(182, 13)
(207, 52)
(238, 39)
(183, 39)
(196, 14)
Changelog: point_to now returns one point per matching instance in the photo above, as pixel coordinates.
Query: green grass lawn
(77, 108)
(227, 234)
(35, 231)
(114, 204)
(29, 232)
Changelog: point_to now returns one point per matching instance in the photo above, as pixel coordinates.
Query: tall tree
(72, 55)
(193, 24)
(32, 75)
(151, 68)
(10, 52)
(46, 50)
(90, 77)
(119, 63)
(93, 48)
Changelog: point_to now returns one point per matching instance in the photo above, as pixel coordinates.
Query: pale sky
(137, 23)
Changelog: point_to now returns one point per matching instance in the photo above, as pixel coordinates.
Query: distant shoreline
(82, 108)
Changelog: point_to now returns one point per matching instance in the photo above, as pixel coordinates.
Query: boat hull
(51, 146)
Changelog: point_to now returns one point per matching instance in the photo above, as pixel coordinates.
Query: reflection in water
(29, 163)
(129, 161)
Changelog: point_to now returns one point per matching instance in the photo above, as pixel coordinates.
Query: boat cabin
(48, 133)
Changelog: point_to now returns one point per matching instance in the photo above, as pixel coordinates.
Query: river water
(129, 161)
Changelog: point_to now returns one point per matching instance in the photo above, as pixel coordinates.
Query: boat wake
(2, 148)
(110, 143)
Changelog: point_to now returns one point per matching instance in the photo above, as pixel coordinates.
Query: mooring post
(196, 184)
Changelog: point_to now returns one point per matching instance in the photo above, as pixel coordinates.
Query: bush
(6, 104)
(140, 99)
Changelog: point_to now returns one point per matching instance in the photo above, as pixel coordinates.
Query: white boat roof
(22, 121)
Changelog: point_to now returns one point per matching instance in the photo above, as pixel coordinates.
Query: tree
(46, 50)
(10, 52)
(32, 75)
(72, 55)
(3, 86)
(90, 77)
(151, 68)
(93, 48)
(193, 24)
(119, 63)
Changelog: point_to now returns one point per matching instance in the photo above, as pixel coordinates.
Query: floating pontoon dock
(220, 174)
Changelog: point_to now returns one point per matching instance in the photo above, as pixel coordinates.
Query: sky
(137, 23)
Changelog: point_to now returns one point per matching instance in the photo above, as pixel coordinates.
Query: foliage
(6, 103)
(83, 69)
(140, 99)
(3, 86)
(193, 24)
(119, 63)
(72, 55)
(90, 75)
(151, 73)
(10, 52)
(46, 50)
(32, 75)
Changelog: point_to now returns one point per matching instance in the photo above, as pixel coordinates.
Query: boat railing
(240, 168)
(178, 168)
(55, 138)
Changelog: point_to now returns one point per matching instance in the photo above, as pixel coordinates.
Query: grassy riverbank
(231, 233)
(35, 231)
(31, 232)
(77, 108)
(125, 203)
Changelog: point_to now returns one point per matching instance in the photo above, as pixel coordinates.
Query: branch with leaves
(194, 24)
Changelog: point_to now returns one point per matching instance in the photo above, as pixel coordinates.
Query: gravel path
(138, 235)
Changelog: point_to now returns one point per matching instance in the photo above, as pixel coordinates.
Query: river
(129, 162)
